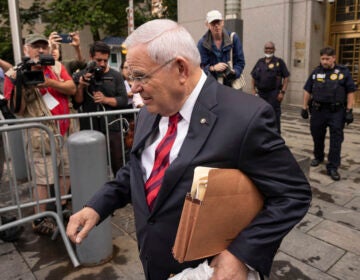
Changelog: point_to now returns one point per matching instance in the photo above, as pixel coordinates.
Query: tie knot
(174, 119)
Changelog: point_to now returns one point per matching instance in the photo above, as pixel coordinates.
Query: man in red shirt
(44, 99)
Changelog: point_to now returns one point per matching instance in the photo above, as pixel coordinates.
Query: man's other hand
(349, 117)
(228, 267)
(304, 114)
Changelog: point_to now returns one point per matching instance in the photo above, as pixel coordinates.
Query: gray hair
(165, 39)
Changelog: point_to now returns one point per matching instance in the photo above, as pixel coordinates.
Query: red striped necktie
(162, 161)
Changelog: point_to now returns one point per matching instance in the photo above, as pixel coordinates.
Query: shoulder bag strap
(231, 50)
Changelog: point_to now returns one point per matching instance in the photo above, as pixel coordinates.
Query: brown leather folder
(211, 221)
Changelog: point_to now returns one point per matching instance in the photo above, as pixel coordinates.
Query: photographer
(36, 90)
(215, 47)
(101, 88)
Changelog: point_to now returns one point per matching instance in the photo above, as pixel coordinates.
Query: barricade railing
(17, 196)
(19, 205)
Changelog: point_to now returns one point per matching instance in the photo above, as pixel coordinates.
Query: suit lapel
(201, 124)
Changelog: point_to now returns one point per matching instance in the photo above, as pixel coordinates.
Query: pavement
(325, 245)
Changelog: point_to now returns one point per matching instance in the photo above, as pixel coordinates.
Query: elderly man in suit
(216, 127)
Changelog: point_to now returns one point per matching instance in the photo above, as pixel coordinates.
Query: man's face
(35, 49)
(101, 60)
(55, 54)
(327, 61)
(216, 28)
(269, 49)
(125, 70)
(158, 85)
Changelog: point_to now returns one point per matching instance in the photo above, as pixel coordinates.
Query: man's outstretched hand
(81, 223)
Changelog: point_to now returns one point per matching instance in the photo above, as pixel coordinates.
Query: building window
(349, 55)
(346, 10)
(113, 58)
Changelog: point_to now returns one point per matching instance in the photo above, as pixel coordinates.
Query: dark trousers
(271, 98)
(320, 120)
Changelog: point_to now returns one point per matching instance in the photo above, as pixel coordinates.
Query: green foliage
(171, 12)
(107, 15)
(28, 16)
(6, 51)
(110, 16)
(69, 15)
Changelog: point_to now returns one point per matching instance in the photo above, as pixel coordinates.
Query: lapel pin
(203, 121)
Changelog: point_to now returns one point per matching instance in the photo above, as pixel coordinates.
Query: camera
(25, 76)
(66, 38)
(228, 73)
(29, 77)
(97, 74)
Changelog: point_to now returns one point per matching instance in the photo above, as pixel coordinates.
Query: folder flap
(228, 181)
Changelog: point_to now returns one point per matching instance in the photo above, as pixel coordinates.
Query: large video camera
(28, 77)
(97, 75)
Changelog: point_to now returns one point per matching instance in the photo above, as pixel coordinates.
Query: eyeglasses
(269, 48)
(143, 79)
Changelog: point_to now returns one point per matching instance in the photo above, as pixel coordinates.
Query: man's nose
(136, 86)
(42, 49)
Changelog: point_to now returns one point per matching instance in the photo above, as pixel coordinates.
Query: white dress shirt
(148, 155)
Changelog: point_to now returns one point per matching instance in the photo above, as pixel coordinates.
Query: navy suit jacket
(239, 132)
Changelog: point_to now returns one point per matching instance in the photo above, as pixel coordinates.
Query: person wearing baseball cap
(43, 97)
(215, 46)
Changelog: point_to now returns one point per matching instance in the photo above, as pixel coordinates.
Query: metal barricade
(19, 205)
(19, 197)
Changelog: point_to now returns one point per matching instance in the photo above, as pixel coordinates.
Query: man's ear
(26, 50)
(182, 67)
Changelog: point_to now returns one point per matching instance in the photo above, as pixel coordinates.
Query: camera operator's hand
(304, 114)
(84, 80)
(99, 97)
(47, 83)
(349, 117)
(220, 67)
(54, 40)
(75, 39)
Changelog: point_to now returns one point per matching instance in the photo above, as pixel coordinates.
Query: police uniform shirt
(268, 76)
(339, 72)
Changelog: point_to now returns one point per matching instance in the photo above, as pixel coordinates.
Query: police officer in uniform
(330, 94)
(270, 78)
